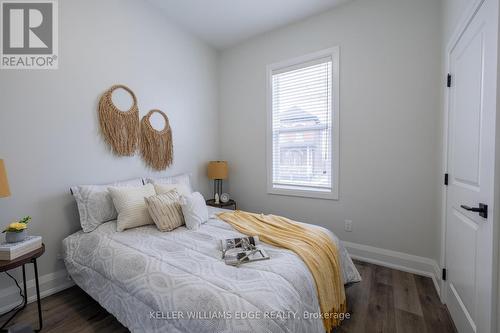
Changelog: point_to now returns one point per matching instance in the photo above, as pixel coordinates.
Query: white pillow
(165, 188)
(95, 205)
(131, 207)
(177, 179)
(194, 210)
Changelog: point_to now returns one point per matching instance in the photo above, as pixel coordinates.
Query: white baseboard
(397, 260)
(49, 284)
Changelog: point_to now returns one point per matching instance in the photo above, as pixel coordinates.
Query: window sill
(301, 192)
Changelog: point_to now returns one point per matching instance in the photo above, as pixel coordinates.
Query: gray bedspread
(154, 281)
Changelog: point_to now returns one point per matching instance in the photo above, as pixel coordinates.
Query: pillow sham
(184, 179)
(182, 189)
(130, 205)
(165, 210)
(194, 210)
(95, 205)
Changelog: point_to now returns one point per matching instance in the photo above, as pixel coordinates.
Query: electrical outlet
(59, 256)
(348, 225)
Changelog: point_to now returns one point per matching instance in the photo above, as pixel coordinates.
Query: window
(303, 135)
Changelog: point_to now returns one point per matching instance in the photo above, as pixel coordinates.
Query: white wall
(49, 134)
(389, 120)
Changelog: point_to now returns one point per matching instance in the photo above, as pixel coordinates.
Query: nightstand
(227, 205)
(7, 265)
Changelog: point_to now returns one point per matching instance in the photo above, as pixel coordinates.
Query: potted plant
(16, 231)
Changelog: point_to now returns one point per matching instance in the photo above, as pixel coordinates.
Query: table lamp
(217, 170)
(4, 184)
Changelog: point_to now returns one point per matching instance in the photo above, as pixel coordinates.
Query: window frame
(300, 191)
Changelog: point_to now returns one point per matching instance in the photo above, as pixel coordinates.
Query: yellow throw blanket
(312, 245)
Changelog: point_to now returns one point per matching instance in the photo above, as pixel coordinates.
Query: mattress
(154, 281)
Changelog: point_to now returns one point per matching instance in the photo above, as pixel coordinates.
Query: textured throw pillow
(182, 189)
(183, 179)
(130, 205)
(194, 210)
(95, 205)
(165, 210)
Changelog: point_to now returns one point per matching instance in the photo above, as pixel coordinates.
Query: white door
(471, 153)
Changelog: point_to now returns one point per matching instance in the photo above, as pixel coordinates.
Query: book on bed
(235, 258)
(236, 251)
(238, 243)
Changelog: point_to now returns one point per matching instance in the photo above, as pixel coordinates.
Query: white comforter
(154, 281)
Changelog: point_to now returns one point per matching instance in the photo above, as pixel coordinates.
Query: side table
(28, 258)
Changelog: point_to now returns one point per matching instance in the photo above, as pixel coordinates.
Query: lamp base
(217, 189)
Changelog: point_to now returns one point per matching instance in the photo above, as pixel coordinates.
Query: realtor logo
(29, 35)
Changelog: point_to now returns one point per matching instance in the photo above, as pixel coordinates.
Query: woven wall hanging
(157, 148)
(120, 129)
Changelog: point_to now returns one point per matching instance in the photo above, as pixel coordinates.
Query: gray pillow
(194, 210)
(95, 204)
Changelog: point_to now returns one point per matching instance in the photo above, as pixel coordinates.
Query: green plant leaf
(25, 220)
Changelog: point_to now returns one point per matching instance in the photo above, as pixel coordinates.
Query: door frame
(463, 24)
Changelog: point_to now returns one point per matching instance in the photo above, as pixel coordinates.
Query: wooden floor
(385, 301)
(388, 300)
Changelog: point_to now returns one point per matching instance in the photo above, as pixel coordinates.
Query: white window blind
(302, 125)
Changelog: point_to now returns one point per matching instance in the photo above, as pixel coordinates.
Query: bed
(154, 281)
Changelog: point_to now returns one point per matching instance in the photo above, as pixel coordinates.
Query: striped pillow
(165, 210)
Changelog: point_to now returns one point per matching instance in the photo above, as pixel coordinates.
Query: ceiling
(222, 23)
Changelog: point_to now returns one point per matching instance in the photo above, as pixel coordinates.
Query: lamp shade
(217, 170)
(4, 184)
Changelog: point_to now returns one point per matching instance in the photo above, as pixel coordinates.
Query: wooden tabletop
(6, 265)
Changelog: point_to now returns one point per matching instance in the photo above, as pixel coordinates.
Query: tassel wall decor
(157, 148)
(120, 129)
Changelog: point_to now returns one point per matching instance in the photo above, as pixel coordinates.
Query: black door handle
(482, 209)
